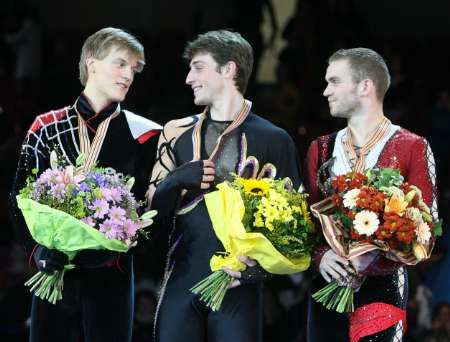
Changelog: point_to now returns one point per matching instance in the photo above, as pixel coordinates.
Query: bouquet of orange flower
(376, 210)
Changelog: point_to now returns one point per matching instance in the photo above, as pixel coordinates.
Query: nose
(128, 73)
(327, 91)
(189, 78)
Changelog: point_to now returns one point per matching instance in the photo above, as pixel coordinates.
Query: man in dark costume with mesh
(194, 155)
(97, 302)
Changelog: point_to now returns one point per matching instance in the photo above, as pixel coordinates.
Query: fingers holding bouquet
(333, 266)
(252, 274)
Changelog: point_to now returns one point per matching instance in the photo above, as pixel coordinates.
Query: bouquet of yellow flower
(264, 219)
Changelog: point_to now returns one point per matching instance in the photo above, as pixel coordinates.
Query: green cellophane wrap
(58, 230)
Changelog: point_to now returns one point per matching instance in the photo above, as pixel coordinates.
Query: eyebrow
(139, 67)
(196, 63)
(332, 79)
(120, 59)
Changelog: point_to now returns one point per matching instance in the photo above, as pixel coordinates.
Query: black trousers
(327, 325)
(97, 306)
(182, 317)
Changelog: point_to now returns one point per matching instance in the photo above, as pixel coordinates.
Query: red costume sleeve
(311, 169)
(419, 169)
(418, 165)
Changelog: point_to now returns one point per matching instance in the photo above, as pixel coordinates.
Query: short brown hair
(366, 63)
(99, 44)
(225, 46)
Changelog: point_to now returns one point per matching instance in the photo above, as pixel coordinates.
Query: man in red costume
(357, 80)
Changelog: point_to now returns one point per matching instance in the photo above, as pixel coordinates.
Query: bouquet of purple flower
(70, 209)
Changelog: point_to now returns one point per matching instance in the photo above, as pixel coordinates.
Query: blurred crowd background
(40, 44)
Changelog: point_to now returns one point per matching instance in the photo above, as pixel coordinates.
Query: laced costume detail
(387, 280)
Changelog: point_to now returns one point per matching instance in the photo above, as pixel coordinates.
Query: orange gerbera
(377, 201)
(357, 181)
(406, 236)
(406, 231)
(384, 233)
(392, 222)
(396, 204)
(339, 183)
(336, 199)
(364, 199)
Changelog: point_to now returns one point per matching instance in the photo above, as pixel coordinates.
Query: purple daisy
(100, 208)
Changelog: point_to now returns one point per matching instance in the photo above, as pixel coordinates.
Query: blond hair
(99, 44)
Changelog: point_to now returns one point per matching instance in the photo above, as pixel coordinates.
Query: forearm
(381, 266)
(317, 255)
(165, 200)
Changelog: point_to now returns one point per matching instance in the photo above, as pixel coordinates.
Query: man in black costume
(194, 155)
(98, 301)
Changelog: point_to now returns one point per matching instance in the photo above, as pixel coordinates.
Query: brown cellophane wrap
(333, 232)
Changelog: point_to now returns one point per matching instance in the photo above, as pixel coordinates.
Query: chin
(199, 102)
(118, 97)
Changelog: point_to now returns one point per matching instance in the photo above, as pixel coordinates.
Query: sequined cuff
(381, 266)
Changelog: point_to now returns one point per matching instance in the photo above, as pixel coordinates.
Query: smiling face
(341, 90)
(206, 79)
(112, 76)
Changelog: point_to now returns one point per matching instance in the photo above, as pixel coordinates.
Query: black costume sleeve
(34, 153)
(283, 154)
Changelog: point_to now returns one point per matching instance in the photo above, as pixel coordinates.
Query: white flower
(53, 160)
(350, 198)
(414, 214)
(393, 191)
(423, 233)
(366, 222)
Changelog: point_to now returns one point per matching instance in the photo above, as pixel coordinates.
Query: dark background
(413, 36)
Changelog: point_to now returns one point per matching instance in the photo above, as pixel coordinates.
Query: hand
(361, 262)
(252, 274)
(194, 175)
(49, 260)
(332, 266)
(91, 258)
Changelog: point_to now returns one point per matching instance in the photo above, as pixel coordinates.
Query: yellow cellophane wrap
(226, 210)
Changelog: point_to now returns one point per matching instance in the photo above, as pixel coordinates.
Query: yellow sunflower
(257, 187)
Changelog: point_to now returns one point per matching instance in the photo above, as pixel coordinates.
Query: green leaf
(80, 159)
(437, 228)
(385, 177)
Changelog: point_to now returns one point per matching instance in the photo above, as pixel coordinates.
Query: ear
(229, 69)
(366, 87)
(90, 65)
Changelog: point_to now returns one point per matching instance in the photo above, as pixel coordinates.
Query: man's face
(112, 76)
(205, 79)
(341, 90)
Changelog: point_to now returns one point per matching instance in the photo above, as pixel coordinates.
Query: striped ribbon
(197, 144)
(335, 236)
(91, 151)
(380, 132)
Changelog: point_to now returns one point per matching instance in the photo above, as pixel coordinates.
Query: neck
(363, 124)
(97, 101)
(226, 108)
